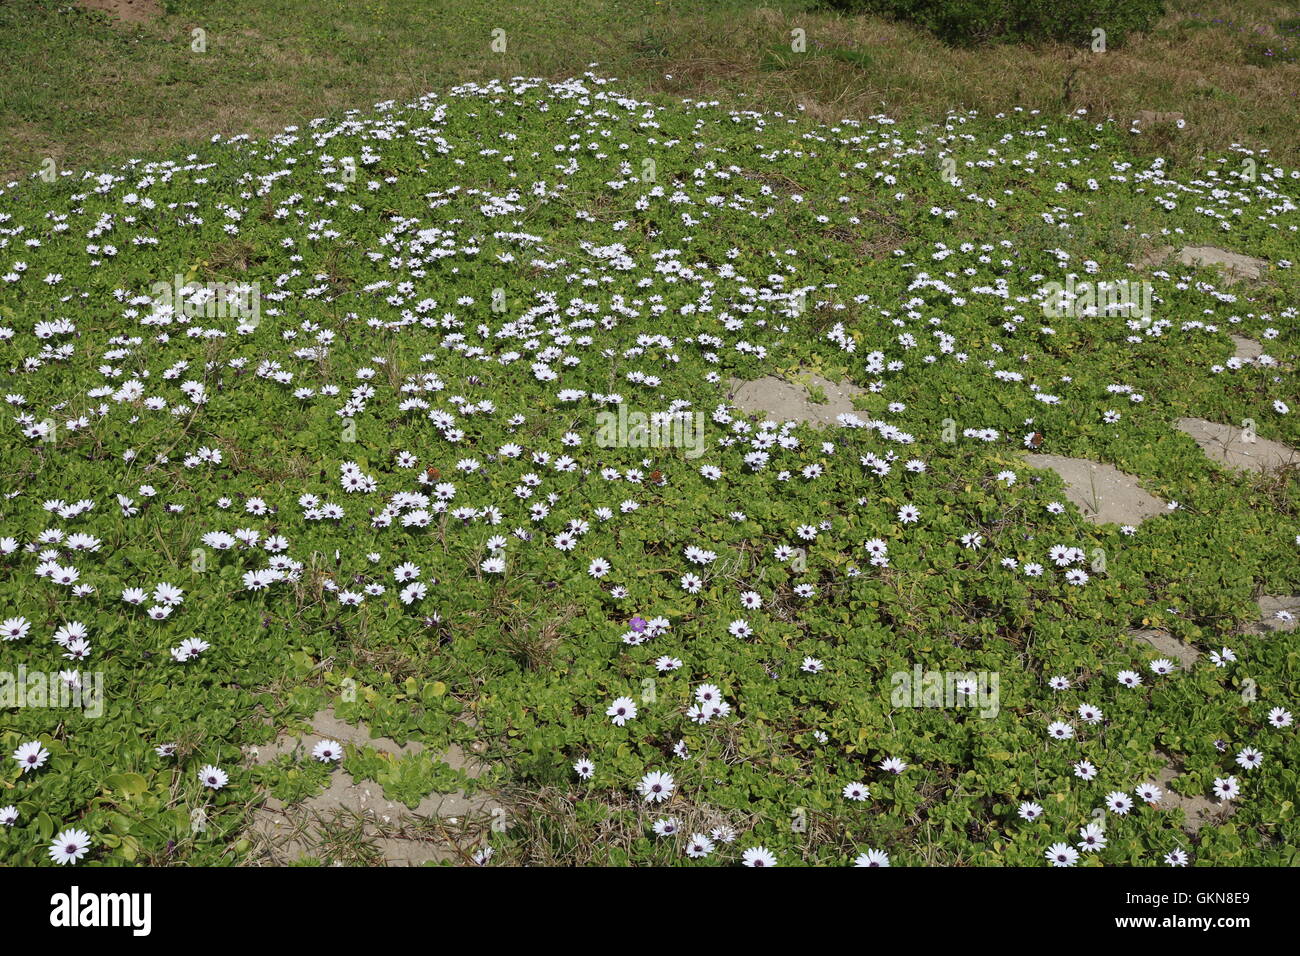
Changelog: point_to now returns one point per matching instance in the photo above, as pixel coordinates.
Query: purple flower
(638, 624)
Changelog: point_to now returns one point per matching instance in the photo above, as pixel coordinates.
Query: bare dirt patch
(1270, 607)
(784, 401)
(1237, 447)
(1102, 492)
(352, 821)
(1197, 811)
(129, 11)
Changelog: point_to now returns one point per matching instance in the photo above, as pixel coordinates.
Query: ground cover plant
(343, 418)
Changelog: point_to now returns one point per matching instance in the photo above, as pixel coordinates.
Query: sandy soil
(784, 401)
(1235, 447)
(404, 837)
(1102, 492)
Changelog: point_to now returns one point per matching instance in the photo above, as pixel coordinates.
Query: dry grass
(550, 829)
(856, 66)
(141, 90)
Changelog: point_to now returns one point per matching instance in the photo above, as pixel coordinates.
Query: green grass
(81, 89)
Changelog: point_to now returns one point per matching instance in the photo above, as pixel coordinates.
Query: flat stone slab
(1245, 348)
(1228, 445)
(1270, 607)
(784, 401)
(390, 832)
(1102, 492)
(1234, 265)
(1168, 646)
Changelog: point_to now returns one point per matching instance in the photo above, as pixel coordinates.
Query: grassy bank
(83, 87)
